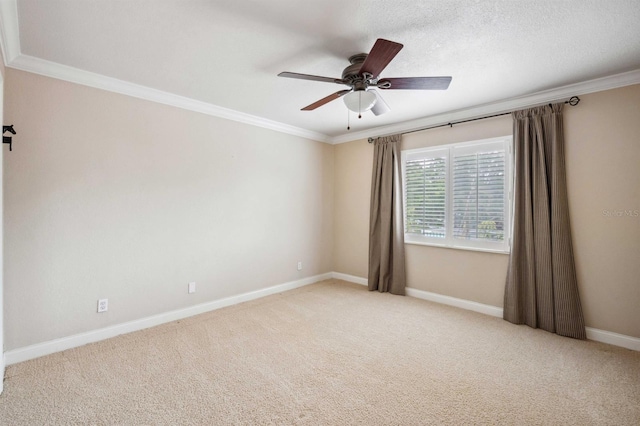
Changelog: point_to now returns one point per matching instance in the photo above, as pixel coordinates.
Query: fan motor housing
(351, 73)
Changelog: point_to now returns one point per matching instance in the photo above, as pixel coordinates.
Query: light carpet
(331, 353)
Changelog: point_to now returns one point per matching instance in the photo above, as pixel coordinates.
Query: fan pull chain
(348, 123)
(360, 104)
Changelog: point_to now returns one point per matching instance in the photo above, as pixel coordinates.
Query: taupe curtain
(541, 289)
(386, 224)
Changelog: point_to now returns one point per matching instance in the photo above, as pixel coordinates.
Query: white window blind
(458, 195)
(425, 194)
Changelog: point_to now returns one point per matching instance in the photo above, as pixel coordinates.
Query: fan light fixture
(360, 100)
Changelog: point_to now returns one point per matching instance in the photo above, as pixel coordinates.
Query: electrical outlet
(299, 266)
(192, 287)
(103, 305)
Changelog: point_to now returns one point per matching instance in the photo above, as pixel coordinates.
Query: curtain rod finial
(573, 101)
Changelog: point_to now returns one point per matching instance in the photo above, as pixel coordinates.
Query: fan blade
(380, 107)
(310, 77)
(382, 52)
(326, 100)
(415, 83)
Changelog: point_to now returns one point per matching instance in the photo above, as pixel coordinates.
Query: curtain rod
(573, 101)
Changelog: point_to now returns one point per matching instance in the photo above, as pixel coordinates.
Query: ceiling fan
(364, 74)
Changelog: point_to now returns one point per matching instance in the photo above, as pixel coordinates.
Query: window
(459, 195)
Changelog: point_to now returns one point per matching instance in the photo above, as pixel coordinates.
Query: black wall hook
(7, 139)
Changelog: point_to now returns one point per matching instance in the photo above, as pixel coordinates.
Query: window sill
(484, 250)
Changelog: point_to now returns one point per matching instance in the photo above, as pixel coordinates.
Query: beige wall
(111, 196)
(603, 174)
(108, 196)
(603, 158)
(351, 215)
(2, 72)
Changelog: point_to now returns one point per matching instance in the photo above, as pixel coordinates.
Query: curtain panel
(541, 287)
(386, 221)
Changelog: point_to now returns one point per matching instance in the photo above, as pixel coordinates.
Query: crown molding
(86, 78)
(9, 30)
(507, 105)
(10, 43)
(78, 76)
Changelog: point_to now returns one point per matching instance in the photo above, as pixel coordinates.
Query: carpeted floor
(330, 354)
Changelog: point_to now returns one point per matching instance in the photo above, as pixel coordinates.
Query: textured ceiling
(228, 52)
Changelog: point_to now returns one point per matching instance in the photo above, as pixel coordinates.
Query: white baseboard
(433, 297)
(493, 311)
(612, 338)
(349, 278)
(594, 334)
(35, 351)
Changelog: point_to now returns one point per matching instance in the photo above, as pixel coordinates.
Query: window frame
(452, 150)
